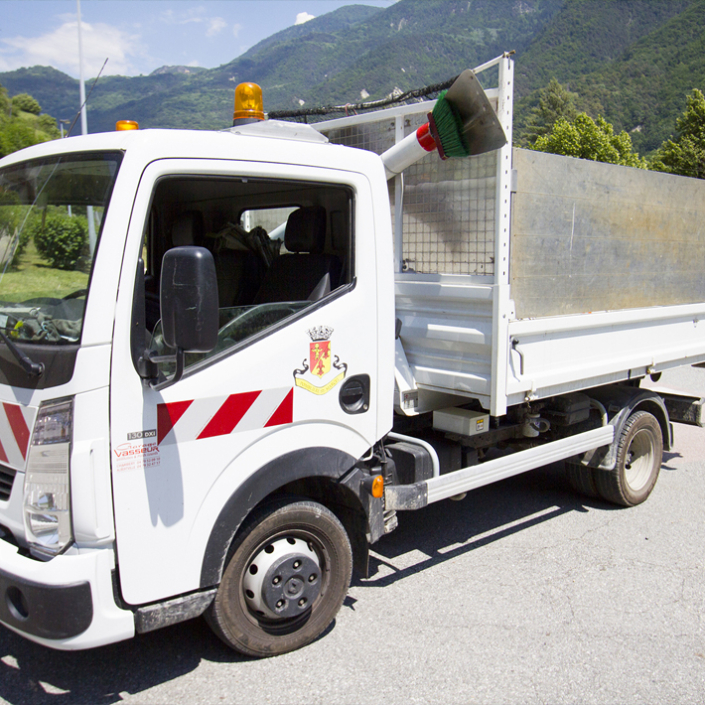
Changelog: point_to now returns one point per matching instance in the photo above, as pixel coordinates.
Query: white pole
(84, 122)
(81, 85)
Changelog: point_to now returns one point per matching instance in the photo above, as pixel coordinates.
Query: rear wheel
(285, 582)
(639, 457)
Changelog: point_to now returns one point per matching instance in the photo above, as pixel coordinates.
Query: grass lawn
(33, 278)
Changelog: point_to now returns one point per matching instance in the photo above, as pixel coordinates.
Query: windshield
(51, 217)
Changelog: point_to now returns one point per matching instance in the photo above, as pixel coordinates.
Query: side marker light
(377, 490)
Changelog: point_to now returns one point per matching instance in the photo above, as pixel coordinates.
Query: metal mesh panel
(449, 206)
(449, 212)
(375, 137)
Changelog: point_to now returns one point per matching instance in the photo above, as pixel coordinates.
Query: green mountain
(330, 58)
(633, 62)
(645, 90)
(56, 92)
(630, 60)
(587, 36)
(340, 19)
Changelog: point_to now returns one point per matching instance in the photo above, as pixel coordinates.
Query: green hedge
(61, 240)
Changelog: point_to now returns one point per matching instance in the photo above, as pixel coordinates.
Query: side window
(273, 220)
(278, 247)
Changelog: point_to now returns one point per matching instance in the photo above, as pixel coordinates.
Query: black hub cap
(283, 579)
(291, 585)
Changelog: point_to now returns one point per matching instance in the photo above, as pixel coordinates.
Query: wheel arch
(310, 473)
(657, 409)
(622, 401)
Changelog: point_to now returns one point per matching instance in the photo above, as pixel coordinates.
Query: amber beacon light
(248, 104)
(126, 125)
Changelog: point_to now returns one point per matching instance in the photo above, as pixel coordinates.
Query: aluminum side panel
(592, 237)
(565, 353)
(447, 332)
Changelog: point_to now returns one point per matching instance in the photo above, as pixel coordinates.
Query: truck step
(409, 497)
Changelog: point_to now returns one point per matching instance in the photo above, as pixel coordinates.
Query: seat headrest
(187, 229)
(306, 230)
(338, 231)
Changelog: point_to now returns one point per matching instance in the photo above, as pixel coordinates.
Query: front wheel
(639, 457)
(285, 582)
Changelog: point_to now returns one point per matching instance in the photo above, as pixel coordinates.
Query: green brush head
(448, 127)
(463, 121)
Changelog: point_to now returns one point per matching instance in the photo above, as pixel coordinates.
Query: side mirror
(189, 310)
(189, 299)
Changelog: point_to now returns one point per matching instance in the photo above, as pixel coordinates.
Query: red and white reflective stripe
(16, 424)
(182, 421)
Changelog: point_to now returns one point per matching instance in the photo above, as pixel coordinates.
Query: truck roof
(268, 141)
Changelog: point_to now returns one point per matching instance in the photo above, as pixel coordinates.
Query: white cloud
(215, 25)
(60, 49)
(236, 30)
(194, 14)
(304, 17)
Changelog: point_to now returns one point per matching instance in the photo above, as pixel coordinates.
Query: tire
(582, 479)
(287, 577)
(639, 458)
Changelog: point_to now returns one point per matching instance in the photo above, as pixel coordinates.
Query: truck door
(298, 321)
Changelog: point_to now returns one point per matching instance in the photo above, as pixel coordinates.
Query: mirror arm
(147, 365)
(180, 356)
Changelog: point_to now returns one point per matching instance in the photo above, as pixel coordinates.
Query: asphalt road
(521, 593)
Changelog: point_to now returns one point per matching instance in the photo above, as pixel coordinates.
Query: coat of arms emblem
(320, 363)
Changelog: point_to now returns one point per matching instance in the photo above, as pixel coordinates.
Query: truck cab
(124, 480)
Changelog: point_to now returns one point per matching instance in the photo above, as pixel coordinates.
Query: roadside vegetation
(22, 124)
(40, 252)
(556, 126)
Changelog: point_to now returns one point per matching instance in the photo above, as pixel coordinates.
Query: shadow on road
(668, 456)
(31, 674)
(446, 530)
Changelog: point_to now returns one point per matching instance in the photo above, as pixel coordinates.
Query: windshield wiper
(33, 369)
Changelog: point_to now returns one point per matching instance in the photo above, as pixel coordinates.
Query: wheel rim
(283, 579)
(639, 460)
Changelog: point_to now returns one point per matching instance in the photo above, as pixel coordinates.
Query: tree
(4, 103)
(21, 125)
(555, 102)
(16, 134)
(25, 102)
(586, 138)
(686, 154)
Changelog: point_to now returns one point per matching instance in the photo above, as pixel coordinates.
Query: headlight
(47, 501)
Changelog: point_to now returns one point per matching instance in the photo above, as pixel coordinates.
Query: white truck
(227, 395)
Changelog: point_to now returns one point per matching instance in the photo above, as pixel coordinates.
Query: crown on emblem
(320, 333)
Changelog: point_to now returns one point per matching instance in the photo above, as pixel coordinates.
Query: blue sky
(138, 36)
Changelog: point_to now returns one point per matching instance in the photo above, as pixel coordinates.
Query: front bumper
(66, 603)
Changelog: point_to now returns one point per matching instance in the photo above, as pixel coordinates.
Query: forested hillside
(334, 57)
(633, 61)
